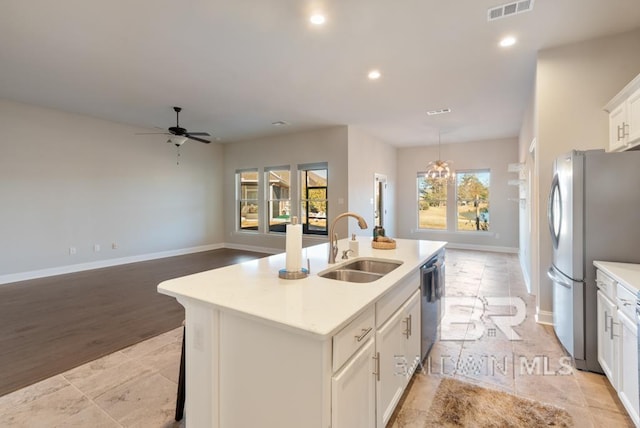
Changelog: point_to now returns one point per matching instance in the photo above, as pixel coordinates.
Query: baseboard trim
(544, 317)
(61, 270)
(254, 248)
(458, 246)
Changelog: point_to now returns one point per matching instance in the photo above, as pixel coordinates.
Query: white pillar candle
(294, 247)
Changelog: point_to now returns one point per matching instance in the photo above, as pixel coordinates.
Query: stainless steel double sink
(361, 270)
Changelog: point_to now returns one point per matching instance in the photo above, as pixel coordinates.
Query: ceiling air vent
(509, 9)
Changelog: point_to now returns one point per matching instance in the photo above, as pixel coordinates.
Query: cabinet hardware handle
(619, 128)
(365, 331)
(376, 370)
(410, 326)
(611, 331)
(625, 302)
(407, 329)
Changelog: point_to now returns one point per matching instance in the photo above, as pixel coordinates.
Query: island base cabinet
(628, 379)
(398, 346)
(242, 373)
(353, 391)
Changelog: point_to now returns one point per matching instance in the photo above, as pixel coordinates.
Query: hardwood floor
(50, 325)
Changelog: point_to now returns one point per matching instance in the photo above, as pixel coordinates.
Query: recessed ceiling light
(508, 41)
(317, 19)
(374, 74)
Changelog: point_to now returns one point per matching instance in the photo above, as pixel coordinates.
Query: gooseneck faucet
(333, 237)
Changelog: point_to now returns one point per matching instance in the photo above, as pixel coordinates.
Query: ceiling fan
(179, 135)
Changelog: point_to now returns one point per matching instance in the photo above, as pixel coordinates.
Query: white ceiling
(236, 66)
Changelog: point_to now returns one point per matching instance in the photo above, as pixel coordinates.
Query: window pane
(432, 203)
(278, 199)
(248, 208)
(313, 201)
(472, 191)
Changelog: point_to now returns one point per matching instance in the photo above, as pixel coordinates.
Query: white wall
(573, 84)
(368, 156)
(70, 180)
(324, 145)
(493, 155)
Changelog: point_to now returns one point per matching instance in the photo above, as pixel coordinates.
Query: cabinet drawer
(394, 298)
(348, 340)
(606, 284)
(626, 301)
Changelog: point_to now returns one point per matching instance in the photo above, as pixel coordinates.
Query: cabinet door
(633, 118)
(628, 364)
(353, 399)
(606, 338)
(413, 342)
(617, 118)
(391, 345)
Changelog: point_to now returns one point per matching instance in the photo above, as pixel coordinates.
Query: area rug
(460, 404)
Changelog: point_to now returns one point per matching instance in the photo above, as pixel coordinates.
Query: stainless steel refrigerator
(594, 214)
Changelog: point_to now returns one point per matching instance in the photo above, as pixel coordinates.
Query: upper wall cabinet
(624, 118)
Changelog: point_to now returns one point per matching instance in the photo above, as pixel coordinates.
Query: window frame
(270, 200)
(304, 200)
(423, 176)
(480, 218)
(242, 201)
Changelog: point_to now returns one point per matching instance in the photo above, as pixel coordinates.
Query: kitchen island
(269, 352)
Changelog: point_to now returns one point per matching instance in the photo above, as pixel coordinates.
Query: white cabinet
(353, 391)
(628, 352)
(628, 365)
(624, 118)
(618, 340)
(398, 346)
(606, 337)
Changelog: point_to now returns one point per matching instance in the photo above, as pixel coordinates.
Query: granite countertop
(627, 274)
(313, 305)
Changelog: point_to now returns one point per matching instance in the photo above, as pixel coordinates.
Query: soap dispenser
(353, 245)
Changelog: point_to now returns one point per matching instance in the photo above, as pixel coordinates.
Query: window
(278, 181)
(248, 212)
(313, 199)
(472, 194)
(432, 203)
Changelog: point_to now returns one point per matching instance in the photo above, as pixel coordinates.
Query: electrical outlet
(96, 248)
(114, 246)
(72, 251)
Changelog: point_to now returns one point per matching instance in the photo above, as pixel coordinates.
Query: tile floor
(136, 387)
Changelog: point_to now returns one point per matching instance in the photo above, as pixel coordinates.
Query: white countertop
(314, 305)
(627, 274)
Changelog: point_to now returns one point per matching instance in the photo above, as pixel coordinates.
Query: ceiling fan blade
(152, 133)
(199, 133)
(197, 139)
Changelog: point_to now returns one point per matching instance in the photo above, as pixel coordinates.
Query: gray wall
(493, 155)
(71, 180)
(367, 157)
(573, 83)
(324, 145)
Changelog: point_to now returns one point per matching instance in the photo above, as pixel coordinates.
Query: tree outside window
(432, 203)
(472, 194)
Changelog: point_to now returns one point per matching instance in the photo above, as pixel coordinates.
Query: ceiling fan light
(177, 140)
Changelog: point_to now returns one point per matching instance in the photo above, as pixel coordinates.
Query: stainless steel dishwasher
(432, 291)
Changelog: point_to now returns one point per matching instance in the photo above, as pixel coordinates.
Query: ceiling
(238, 66)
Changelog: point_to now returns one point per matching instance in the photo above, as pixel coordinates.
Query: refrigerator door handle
(554, 211)
(558, 277)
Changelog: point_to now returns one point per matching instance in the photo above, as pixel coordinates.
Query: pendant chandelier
(440, 170)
